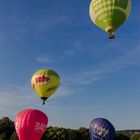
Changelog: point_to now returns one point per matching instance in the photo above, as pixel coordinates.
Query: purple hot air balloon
(30, 124)
(101, 129)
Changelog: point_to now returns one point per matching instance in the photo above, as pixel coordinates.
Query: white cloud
(62, 91)
(45, 59)
(78, 46)
(75, 47)
(53, 21)
(95, 73)
(74, 108)
(14, 98)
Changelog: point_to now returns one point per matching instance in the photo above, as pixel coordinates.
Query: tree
(84, 133)
(14, 136)
(7, 127)
(55, 133)
(135, 137)
(121, 137)
(3, 136)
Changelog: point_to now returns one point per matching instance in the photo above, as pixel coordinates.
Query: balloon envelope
(109, 14)
(30, 124)
(45, 82)
(101, 129)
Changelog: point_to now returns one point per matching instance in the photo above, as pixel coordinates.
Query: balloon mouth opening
(44, 99)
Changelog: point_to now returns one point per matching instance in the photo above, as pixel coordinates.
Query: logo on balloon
(100, 131)
(42, 79)
(40, 126)
(51, 88)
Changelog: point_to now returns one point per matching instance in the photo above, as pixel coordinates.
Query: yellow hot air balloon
(45, 82)
(109, 15)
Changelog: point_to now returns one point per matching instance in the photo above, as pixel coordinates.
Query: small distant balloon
(109, 15)
(101, 129)
(30, 124)
(45, 82)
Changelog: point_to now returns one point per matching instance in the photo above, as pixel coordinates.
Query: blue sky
(100, 77)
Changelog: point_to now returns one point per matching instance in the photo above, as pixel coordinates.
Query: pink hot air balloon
(30, 124)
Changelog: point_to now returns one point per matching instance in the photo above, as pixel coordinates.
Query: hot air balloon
(45, 82)
(101, 129)
(30, 124)
(109, 15)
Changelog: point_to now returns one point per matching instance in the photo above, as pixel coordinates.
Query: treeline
(7, 132)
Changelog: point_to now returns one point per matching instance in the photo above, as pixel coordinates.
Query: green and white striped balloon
(109, 14)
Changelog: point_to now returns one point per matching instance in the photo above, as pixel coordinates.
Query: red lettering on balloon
(41, 78)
